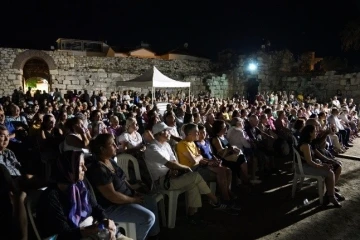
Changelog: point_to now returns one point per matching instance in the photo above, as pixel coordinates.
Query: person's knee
(330, 174)
(148, 219)
(195, 175)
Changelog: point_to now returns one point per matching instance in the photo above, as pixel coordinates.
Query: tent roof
(153, 78)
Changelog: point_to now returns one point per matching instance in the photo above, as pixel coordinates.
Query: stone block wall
(72, 72)
(277, 71)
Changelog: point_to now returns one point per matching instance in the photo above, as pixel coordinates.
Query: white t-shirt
(236, 137)
(156, 156)
(132, 142)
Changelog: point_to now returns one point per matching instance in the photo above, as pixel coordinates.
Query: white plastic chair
(123, 162)
(130, 229)
(299, 175)
(173, 199)
(295, 141)
(172, 204)
(294, 145)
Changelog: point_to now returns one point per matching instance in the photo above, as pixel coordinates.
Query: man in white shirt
(343, 132)
(336, 102)
(168, 174)
(236, 135)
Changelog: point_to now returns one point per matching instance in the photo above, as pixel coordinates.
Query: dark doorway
(252, 89)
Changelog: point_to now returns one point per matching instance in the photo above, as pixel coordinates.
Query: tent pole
(189, 96)
(153, 96)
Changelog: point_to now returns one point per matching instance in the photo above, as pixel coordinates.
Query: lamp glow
(252, 67)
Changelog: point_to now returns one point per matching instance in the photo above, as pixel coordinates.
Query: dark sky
(207, 26)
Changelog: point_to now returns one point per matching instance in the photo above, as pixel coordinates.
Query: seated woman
(13, 219)
(148, 137)
(298, 126)
(231, 155)
(64, 205)
(77, 137)
(130, 140)
(115, 128)
(51, 136)
(36, 125)
(114, 193)
(312, 166)
(97, 126)
(223, 174)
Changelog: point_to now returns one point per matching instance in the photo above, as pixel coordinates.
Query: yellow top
(185, 146)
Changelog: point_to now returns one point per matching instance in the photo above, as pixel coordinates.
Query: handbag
(169, 175)
(230, 155)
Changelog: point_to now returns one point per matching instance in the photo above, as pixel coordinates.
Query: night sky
(207, 26)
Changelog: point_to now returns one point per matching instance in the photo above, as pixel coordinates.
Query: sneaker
(225, 208)
(235, 207)
(339, 197)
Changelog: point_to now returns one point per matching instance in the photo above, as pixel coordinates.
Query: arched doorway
(36, 75)
(34, 64)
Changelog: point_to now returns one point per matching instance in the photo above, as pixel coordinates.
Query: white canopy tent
(155, 79)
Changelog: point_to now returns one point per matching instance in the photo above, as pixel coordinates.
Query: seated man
(9, 160)
(166, 172)
(189, 155)
(7, 157)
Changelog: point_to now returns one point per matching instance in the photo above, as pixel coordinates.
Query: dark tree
(350, 36)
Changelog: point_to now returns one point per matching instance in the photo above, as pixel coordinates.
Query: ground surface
(270, 213)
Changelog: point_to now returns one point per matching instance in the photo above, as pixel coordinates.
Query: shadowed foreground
(269, 212)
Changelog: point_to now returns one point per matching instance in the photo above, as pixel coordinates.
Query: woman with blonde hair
(131, 140)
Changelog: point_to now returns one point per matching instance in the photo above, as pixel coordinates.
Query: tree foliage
(31, 82)
(350, 36)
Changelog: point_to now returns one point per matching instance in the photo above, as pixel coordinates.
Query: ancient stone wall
(277, 71)
(280, 71)
(72, 72)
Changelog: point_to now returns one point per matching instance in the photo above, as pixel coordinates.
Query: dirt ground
(269, 212)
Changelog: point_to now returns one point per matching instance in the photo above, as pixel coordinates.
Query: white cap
(159, 127)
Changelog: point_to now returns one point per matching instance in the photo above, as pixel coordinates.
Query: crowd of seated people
(68, 145)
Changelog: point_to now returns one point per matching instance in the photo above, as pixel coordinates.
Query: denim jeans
(144, 216)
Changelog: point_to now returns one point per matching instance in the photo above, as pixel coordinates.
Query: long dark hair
(217, 126)
(98, 142)
(305, 134)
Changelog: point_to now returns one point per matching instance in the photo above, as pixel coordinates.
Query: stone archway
(36, 75)
(23, 57)
(41, 65)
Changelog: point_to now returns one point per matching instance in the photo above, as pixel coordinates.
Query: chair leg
(294, 185)
(173, 198)
(301, 182)
(162, 212)
(321, 190)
